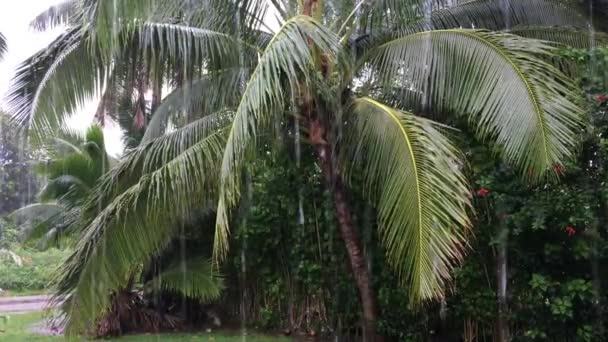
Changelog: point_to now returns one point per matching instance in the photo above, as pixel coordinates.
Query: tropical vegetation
(395, 137)
(71, 172)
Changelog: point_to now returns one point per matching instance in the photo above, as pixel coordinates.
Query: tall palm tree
(350, 75)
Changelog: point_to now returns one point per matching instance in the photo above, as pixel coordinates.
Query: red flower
(483, 192)
(602, 98)
(570, 231)
(558, 169)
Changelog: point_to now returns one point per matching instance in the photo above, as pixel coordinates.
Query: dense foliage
(32, 271)
(320, 162)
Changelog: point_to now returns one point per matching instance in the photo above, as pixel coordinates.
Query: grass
(16, 330)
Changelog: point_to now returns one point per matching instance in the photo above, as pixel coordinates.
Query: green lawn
(16, 330)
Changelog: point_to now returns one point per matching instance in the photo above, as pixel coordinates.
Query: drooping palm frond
(499, 80)
(50, 232)
(193, 46)
(153, 155)
(209, 94)
(569, 36)
(498, 15)
(53, 83)
(63, 13)
(193, 278)
(289, 56)
(415, 177)
(119, 18)
(136, 224)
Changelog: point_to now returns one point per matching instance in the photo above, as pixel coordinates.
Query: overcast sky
(15, 16)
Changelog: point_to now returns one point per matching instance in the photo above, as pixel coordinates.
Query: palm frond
(153, 155)
(53, 83)
(569, 36)
(499, 15)
(285, 64)
(193, 278)
(60, 14)
(114, 20)
(150, 210)
(500, 81)
(193, 46)
(414, 175)
(209, 94)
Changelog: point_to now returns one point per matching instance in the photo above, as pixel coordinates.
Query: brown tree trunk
(350, 236)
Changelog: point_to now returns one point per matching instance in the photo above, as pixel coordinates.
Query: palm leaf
(289, 56)
(499, 15)
(60, 14)
(135, 225)
(53, 83)
(414, 175)
(569, 36)
(209, 94)
(193, 278)
(192, 46)
(500, 81)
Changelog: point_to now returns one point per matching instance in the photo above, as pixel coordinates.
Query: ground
(17, 329)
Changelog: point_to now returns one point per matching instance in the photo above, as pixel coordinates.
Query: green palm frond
(136, 224)
(209, 94)
(153, 155)
(194, 278)
(569, 36)
(414, 175)
(50, 232)
(61, 14)
(119, 18)
(193, 46)
(53, 83)
(499, 80)
(499, 15)
(286, 63)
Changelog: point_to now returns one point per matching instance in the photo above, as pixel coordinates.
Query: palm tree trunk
(350, 236)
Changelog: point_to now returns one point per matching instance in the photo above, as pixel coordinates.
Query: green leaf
(500, 81)
(414, 175)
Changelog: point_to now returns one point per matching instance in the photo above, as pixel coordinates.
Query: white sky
(22, 41)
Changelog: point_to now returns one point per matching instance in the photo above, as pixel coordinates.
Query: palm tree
(350, 76)
(72, 172)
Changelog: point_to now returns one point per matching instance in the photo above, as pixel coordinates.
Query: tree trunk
(502, 324)
(319, 138)
(352, 241)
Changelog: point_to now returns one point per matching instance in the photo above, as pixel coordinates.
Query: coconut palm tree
(350, 76)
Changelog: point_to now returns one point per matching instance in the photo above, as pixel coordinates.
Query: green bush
(35, 272)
